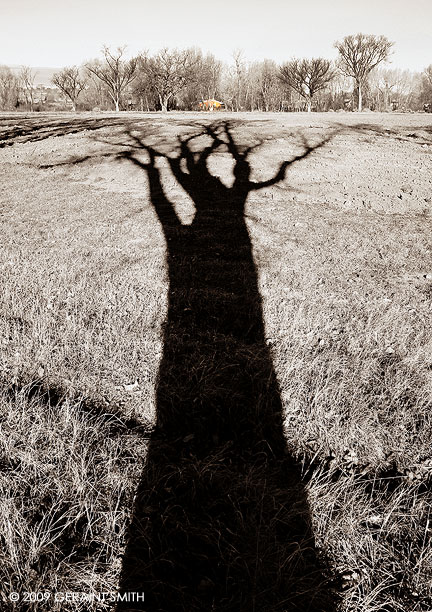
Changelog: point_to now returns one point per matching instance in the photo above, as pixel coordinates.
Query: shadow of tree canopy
(220, 519)
(15, 129)
(416, 135)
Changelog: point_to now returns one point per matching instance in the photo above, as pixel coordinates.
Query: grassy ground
(342, 250)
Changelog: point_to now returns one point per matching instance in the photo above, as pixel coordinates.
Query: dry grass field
(216, 368)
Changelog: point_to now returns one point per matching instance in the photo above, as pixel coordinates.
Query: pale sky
(57, 33)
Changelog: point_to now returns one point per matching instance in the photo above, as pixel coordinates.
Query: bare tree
(207, 72)
(204, 81)
(427, 72)
(251, 79)
(269, 84)
(392, 88)
(115, 72)
(26, 79)
(95, 94)
(235, 82)
(425, 87)
(169, 72)
(142, 86)
(359, 54)
(8, 89)
(339, 94)
(307, 77)
(71, 83)
(239, 71)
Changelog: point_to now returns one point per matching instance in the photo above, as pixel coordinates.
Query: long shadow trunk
(221, 520)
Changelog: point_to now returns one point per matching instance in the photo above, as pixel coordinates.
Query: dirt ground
(378, 162)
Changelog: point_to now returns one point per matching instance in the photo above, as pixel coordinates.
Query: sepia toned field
(342, 258)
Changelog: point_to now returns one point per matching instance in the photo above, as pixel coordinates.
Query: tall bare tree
(26, 79)
(239, 72)
(205, 79)
(427, 72)
(115, 72)
(95, 94)
(427, 78)
(359, 54)
(235, 82)
(169, 72)
(307, 77)
(207, 73)
(142, 87)
(269, 84)
(8, 89)
(426, 88)
(71, 82)
(392, 88)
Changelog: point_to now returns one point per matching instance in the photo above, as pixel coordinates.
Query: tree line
(179, 79)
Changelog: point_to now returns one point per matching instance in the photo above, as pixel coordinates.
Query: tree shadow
(220, 519)
(16, 129)
(415, 135)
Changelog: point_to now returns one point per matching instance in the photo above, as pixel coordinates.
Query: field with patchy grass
(216, 367)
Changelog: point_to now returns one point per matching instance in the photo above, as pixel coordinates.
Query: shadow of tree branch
(16, 130)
